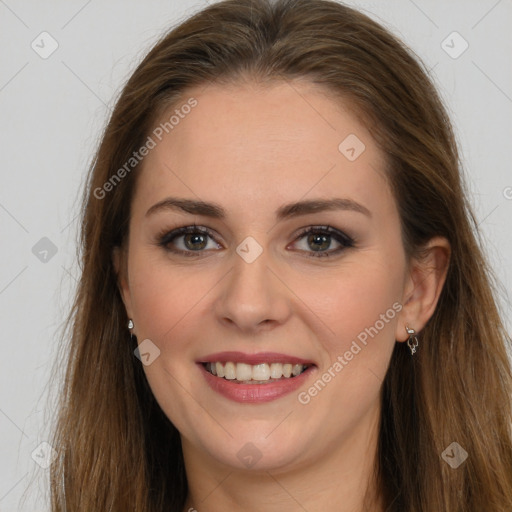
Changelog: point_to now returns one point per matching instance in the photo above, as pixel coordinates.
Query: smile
(255, 374)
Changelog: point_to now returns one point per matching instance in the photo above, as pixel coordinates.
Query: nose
(252, 298)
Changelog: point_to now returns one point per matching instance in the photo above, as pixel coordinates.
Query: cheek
(361, 307)
(168, 302)
(359, 302)
(163, 296)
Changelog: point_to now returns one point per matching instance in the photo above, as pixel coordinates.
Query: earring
(412, 342)
(130, 326)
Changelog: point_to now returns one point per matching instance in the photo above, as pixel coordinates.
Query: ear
(119, 260)
(425, 279)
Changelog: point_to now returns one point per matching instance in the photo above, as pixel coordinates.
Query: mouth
(255, 378)
(262, 373)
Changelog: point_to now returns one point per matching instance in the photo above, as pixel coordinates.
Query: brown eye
(318, 240)
(188, 240)
(195, 241)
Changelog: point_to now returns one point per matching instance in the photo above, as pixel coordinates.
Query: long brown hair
(117, 449)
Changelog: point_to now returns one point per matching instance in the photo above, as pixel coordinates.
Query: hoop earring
(412, 342)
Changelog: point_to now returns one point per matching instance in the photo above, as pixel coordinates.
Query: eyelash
(166, 237)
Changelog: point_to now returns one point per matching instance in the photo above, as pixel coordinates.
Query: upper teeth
(259, 372)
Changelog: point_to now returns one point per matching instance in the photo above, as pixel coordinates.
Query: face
(277, 283)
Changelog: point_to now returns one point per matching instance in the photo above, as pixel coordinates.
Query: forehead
(248, 141)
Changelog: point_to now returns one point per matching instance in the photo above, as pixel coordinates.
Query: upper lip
(252, 359)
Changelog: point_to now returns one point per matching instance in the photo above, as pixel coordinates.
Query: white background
(51, 115)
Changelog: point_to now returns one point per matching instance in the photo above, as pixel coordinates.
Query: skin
(252, 148)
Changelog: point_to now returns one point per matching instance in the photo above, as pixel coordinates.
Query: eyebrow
(286, 211)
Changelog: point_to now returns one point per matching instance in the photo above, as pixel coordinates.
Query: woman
(283, 305)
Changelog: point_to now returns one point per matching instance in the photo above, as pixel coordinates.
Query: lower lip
(255, 393)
